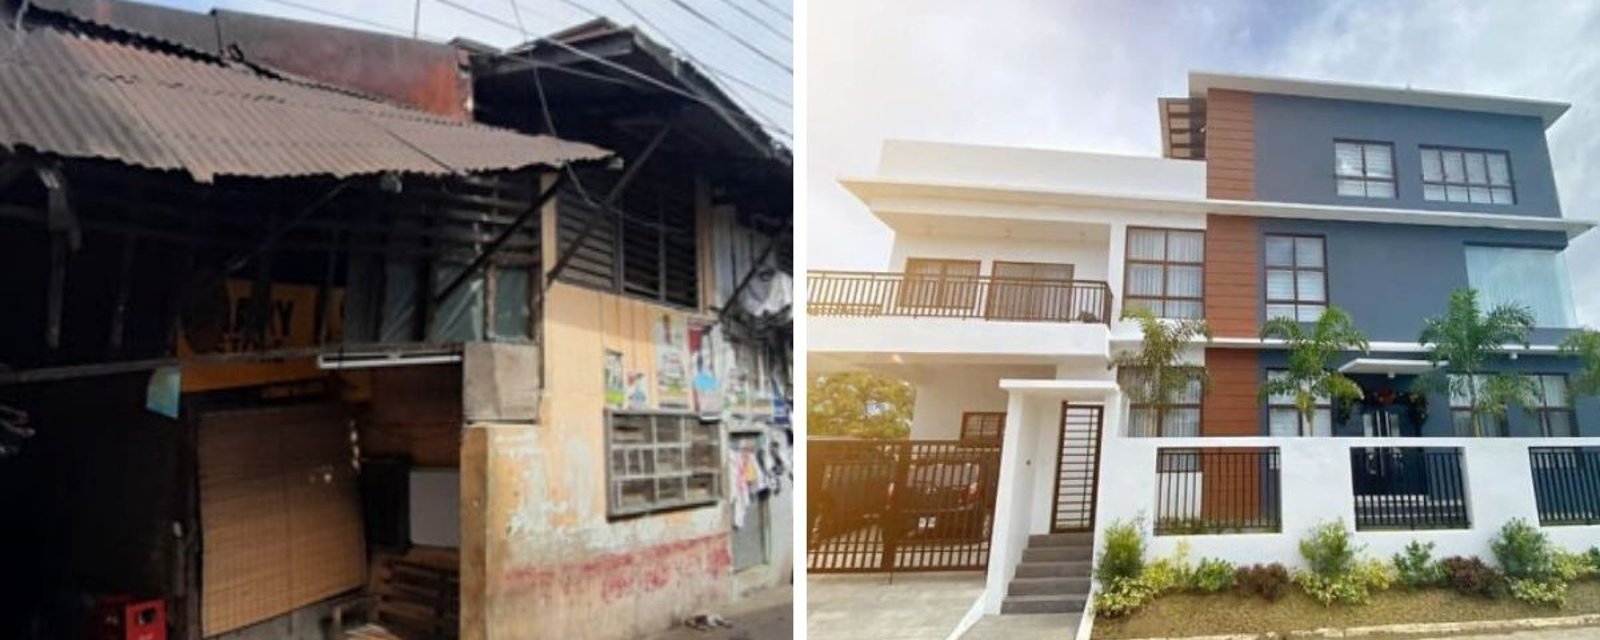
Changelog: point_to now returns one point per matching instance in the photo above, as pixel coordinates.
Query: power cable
(757, 19)
(786, 15)
(713, 70)
(736, 37)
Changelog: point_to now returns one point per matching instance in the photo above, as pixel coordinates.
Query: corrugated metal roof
(72, 95)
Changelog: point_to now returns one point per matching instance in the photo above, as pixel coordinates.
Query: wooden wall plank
(1232, 407)
(1230, 145)
(1233, 280)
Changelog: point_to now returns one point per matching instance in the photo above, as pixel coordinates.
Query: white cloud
(1081, 75)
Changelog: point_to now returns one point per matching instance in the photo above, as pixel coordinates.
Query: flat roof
(1547, 111)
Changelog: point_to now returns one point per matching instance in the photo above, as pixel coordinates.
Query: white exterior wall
(1088, 257)
(1041, 168)
(1316, 488)
(944, 393)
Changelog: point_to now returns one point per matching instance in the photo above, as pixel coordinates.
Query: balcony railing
(867, 294)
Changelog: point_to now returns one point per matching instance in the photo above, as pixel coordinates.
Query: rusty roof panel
(71, 95)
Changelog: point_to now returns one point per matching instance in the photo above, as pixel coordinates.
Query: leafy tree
(1161, 375)
(1584, 344)
(1462, 341)
(859, 404)
(1311, 354)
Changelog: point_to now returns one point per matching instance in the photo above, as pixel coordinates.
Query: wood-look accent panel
(1233, 282)
(1230, 145)
(1232, 408)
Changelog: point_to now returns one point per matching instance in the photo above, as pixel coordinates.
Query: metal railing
(1566, 484)
(867, 294)
(1206, 491)
(1408, 488)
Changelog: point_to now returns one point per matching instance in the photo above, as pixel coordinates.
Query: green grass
(1199, 615)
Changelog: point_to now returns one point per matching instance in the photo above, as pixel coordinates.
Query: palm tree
(1462, 341)
(1311, 354)
(1585, 345)
(1161, 373)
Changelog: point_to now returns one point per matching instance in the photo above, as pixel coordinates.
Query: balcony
(859, 318)
(869, 294)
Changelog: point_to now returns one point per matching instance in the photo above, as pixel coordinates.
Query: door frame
(1099, 411)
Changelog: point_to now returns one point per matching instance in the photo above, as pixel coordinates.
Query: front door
(1077, 467)
(1388, 470)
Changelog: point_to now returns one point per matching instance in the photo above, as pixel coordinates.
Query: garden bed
(1181, 614)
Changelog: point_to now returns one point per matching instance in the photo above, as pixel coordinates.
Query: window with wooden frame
(1297, 277)
(1363, 169)
(1030, 291)
(1467, 175)
(933, 283)
(645, 246)
(1555, 405)
(985, 428)
(1165, 272)
(1284, 419)
(661, 461)
(1463, 397)
(1179, 419)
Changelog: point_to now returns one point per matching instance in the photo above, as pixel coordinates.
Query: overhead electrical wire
(757, 19)
(786, 15)
(734, 36)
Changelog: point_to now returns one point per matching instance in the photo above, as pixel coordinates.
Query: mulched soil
(1198, 615)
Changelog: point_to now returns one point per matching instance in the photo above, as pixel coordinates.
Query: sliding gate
(916, 505)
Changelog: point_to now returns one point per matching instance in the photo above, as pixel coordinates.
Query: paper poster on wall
(638, 391)
(672, 367)
(707, 390)
(162, 394)
(616, 386)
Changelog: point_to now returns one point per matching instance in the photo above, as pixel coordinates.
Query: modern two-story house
(1003, 304)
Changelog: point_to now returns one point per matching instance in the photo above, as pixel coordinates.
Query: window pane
(1279, 398)
(1478, 194)
(1280, 311)
(1380, 161)
(1477, 173)
(1347, 159)
(1182, 423)
(1310, 286)
(1156, 307)
(1432, 192)
(1141, 422)
(1501, 196)
(1184, 282)
(1308, 252)
(1555, 391)
(1280, 251)
(1283, 423)
(1184, 309)
(1456, 194)
(1454, 166)
(1380, 190)
(1144, 280)
(1147, 244)
(1432, 170)
(1349, 187)
(1186, 246)
(1309, 312)
(1462, 420)
(1280, 284)
(1536, 278)
(1499, 169)
(1322, 423)
(511, 303)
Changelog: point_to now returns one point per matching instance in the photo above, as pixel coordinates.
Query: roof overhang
(1389, 366)
(1547, 111)
(877, 192)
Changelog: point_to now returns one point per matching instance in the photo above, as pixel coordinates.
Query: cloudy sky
(1085, 75)
(745, 43)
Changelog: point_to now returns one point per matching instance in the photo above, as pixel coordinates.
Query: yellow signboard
(291, 323)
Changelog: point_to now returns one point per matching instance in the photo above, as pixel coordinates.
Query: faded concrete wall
(538, 545)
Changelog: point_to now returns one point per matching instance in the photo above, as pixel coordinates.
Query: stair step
(1061, 539)
(1055, 569)
(1042, 604)
(1048, 586)
(1049, 554)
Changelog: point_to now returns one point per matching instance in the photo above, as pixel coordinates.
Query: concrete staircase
(1053, 576)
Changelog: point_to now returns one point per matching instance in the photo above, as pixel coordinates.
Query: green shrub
(1268, 581)
(1470, 576)
(1121, 597)
(1375, 575)
(1543, 593)
(1329, 551)
(1571, 567)
(1524, 552)
(1123, 556)
(1593, 556)
(1172, 572)
(1343, 589)
(1415, 567)
(1212, 575)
